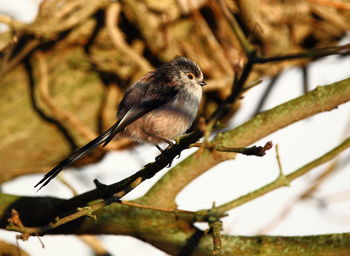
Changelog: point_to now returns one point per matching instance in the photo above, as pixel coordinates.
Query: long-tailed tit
(159, 107)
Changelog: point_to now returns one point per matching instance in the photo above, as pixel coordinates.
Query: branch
(283, 180)
(166, 232)
(289, 205)
(321, 99)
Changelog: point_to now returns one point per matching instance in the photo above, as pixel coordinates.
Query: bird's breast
(168, 121)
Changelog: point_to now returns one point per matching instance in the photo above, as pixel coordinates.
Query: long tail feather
(78, 154)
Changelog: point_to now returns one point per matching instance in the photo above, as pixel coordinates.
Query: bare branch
(281, 180)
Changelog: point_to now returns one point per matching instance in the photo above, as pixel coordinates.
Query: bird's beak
(202, 83)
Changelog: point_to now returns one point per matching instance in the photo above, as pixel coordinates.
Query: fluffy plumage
(157, 108)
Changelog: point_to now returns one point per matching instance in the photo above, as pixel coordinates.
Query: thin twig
(251, 151)
(160, 209)
(281, 175)
(307, 193)
(312, 53)
(67, 184)
(281, 180)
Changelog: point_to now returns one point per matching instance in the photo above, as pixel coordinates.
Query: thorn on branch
(99, 185)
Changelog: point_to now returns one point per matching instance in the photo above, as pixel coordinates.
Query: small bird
(159, 107)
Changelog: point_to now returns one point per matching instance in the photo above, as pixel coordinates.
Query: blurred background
(87, 76)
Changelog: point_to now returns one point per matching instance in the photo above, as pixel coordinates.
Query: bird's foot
(165, 154)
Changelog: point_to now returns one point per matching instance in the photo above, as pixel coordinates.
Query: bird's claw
(165, 154)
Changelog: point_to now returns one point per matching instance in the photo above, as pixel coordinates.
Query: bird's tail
(105, 137)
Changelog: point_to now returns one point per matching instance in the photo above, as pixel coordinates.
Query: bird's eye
(190, 76)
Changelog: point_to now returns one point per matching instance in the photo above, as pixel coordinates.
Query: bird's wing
(143, 97)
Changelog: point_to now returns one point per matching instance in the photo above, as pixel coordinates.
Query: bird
(159, 107)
